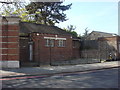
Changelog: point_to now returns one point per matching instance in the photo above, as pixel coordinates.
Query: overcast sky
(96, 15)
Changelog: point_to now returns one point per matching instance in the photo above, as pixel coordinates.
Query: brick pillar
(9, 42)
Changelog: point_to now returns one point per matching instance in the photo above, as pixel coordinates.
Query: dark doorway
(26, 53)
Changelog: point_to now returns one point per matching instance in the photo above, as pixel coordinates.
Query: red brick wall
(76, 49)
(44, 54)
(3, 39)
(9, 39)
(13, 39)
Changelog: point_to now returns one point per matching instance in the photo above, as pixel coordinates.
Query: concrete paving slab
(56, 69)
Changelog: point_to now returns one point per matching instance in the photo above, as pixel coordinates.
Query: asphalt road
(106, 78)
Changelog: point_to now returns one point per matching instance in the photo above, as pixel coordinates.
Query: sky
(95, 14)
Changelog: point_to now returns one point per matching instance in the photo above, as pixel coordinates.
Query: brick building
(99, 45)
(46, 44)
(22, 42)
(94, 35)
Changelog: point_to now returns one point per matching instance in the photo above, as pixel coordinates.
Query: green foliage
(8, 8)
(74, 33)
(15, 8)
(79, 35)
(71, 29)
(23, 34)
(48, 13)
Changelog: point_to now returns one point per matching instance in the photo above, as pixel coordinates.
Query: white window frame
(61, 43)
(55, 38)
(49, 42)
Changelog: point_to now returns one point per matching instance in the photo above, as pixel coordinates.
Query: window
(61, 43)
(49, 42)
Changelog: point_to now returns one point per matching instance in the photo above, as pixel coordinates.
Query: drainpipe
(50, 53)
(31, 51)
(30, 48)
(39, 59)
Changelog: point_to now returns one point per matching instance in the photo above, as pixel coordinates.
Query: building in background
(94, 35)
(100, 45)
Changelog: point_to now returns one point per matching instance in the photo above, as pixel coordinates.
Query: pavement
(26, 71)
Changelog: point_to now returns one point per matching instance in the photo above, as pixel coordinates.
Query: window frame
(49, 42)
(61, 43)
